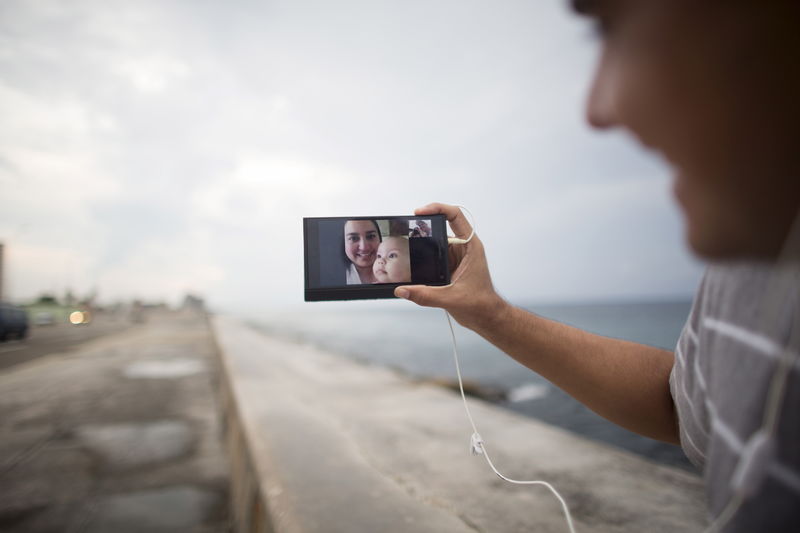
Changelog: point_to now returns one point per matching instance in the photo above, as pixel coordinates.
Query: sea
(416, 341)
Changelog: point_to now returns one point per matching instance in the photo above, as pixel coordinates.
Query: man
(714, 87)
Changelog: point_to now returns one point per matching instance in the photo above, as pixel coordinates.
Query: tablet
(365, 257)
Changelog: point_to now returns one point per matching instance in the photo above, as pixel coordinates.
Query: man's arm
(625, 382)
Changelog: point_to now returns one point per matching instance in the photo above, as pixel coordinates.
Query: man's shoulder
(760, 297)
(734, 292)
(736, 280)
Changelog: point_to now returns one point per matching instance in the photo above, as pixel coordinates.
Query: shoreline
(327, 444)
(546, 404)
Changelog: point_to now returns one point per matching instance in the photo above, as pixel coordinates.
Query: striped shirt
(726, 357)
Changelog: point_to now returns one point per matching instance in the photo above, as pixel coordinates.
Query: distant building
(193, 303)
(1, 271)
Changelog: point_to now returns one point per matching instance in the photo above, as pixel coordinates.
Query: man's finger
(455, 217)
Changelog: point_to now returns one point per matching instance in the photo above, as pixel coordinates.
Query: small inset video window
(419, 228)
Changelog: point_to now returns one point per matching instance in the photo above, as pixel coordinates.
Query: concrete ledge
(319, 443)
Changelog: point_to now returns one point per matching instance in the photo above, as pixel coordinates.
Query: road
(45, 340)
(120, 434)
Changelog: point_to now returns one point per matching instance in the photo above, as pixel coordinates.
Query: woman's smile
(365, 258)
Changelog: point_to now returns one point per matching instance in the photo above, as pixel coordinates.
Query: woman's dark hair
(346, 260)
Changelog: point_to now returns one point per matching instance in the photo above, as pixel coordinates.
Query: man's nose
(601, 112)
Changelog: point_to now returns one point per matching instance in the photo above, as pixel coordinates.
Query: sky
(154, 148)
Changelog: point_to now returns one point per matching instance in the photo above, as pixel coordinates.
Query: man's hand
(470, 298)
(625, 382)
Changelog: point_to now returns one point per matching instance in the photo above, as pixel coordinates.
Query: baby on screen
(392, 262)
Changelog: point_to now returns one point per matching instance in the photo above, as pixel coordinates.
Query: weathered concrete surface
(121, 434)
(324, 444)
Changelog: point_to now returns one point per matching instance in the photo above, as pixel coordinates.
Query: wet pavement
(45, 340)
(118, 434)
(324, 444)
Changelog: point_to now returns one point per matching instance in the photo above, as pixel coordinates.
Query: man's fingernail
(401, 293)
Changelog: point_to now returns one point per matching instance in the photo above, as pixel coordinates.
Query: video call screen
(367, 257)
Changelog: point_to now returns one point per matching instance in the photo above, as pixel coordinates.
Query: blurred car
(44, 318)
(13, 321)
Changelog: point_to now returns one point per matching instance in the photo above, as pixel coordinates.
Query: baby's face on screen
(392, 262)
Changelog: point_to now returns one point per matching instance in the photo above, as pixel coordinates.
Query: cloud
(165, 270)
(262, 189)
(152, 74)
(31, 269)
(166, 147)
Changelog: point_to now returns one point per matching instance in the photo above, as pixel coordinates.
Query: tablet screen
(367, 257)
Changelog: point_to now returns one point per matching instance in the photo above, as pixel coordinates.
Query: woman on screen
(361, 241)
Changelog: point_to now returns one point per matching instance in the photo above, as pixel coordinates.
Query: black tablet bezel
(382, 290)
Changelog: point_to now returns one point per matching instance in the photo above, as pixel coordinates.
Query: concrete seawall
(319, 443)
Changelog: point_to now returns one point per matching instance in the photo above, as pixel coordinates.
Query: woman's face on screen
(361, 240)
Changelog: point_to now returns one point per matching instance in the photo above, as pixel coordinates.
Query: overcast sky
(153, 148)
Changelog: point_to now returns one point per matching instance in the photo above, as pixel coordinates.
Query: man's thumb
(419, 294)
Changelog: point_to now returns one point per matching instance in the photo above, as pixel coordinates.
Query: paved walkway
(120, 434)
(323, 444)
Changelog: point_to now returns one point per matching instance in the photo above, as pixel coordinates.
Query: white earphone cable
(477, 445)
(761, 447)
(775, 397)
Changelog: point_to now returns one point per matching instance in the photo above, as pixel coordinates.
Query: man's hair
(584, 7)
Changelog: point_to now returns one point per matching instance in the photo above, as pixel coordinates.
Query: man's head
(713, 86)
(424, 228)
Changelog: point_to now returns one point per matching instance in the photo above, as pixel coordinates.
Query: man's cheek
(639, 102)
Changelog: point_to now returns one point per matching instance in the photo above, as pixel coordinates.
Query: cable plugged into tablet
(457, 240)
(476, 443)
(478, 447)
